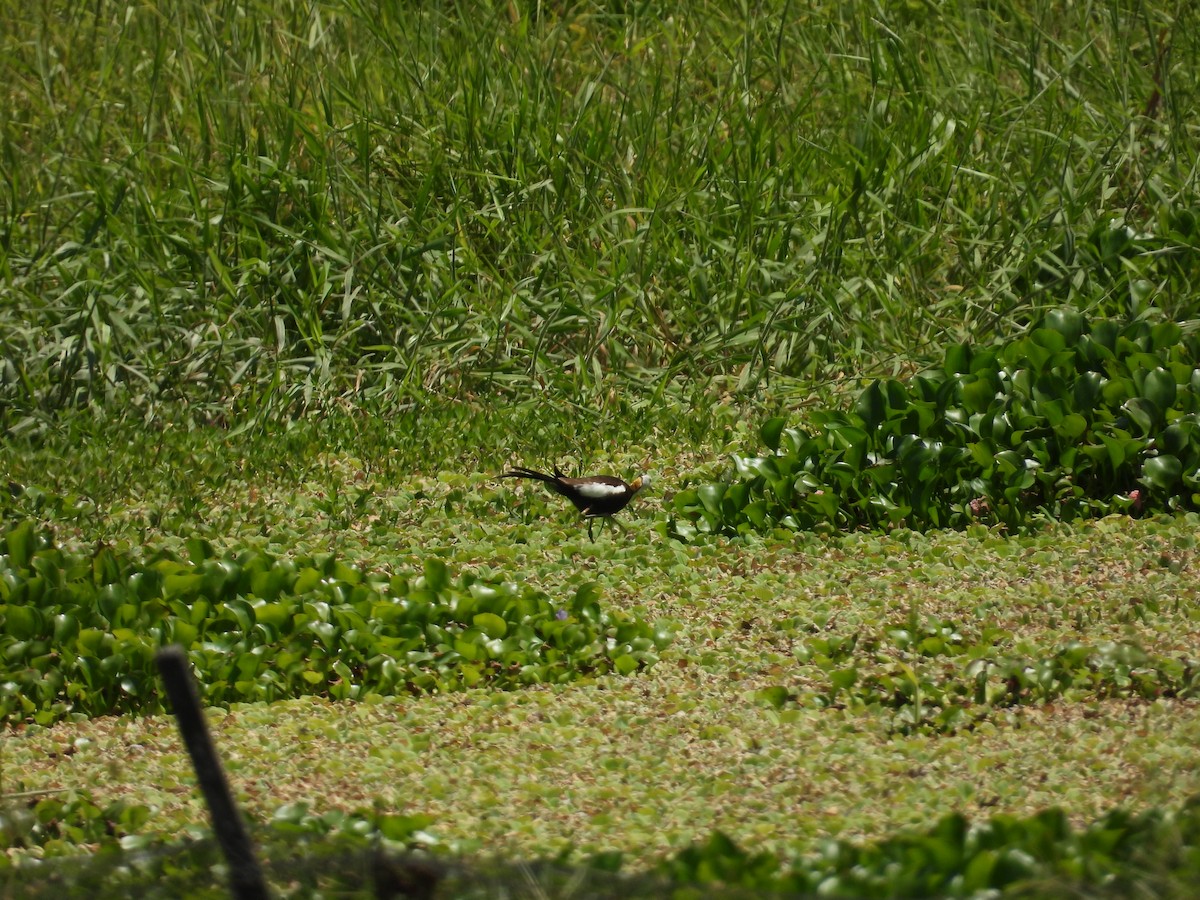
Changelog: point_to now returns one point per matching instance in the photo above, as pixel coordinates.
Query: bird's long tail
(522, 472)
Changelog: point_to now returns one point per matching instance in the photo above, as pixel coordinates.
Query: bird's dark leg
(590, 536)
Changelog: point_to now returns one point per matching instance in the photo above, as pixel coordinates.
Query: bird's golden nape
(595, 496)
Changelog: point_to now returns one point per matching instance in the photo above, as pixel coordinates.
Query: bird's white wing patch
(596, 490)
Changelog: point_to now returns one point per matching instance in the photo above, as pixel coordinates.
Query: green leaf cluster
(128, 853)
(57, 825)
(926, 696)
(1073, 418)
(1038, 855)
(938, 676)
(79, 632)
(1120, 853)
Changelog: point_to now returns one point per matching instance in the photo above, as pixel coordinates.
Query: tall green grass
(265, 208)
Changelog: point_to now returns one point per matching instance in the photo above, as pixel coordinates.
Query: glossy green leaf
(1073, 426)
(20, 543)
(1176, 439)
(1143, 414)
(1047, 339)
(491, 625)
(757, 513)
(1162, 472)
(710, 495)
(1105, 332)
(977, 393)
(1160, 388)
(307, 580)
(958, 359)
(1086, 391)
(199, 550)
(277, 615)
(625, 665)
(770, 432)
(982, 455)
(104, 567)
(871, 407)
(1164, 334)
(588, 593)
(21, 622)
(1069, 323)
(437, 578)
(183, 633)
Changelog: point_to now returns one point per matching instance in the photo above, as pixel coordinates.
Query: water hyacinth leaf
(1142, 412)
(182, 632)
(826, 503)
(1139, 364)
(66, 627)
(20, 543)
(21, 622)
(307, 580)
(1054, 421)
(1116, 450)
(1087, 391)
(625, 664)
(1162, 472)
(854, 442)
(268, 585)
(1067, 322)
(1048, 339)
(347, 636)
(1165, 334)
(843, 679)
(756, 513)
(977, 393)
(589, 592)
(104, 567)
(685, 502)
(897, 394)
(958, 359)
(198, 549)
(1073, 426)
(710, 495)
(871, 407)
(982, 455)
(1176, 438)
(1106, 332)
(437, 577)
(1160, 388)
(775, 696)
(1052, 410)
(771, 431)
(1050, 387)
(736, 496)
(277, 615)
(491, 625)
(1020, 381)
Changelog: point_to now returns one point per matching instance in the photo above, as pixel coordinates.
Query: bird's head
(640, 482)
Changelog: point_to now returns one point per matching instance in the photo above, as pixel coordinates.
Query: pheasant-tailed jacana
(595, 496)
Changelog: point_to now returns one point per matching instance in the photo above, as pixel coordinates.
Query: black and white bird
(595, 496)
